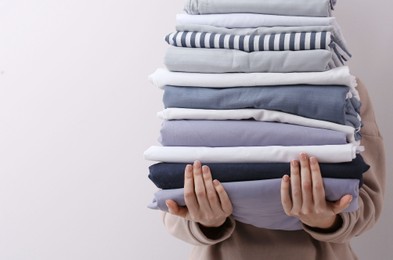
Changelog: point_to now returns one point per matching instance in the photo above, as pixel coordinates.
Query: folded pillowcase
(171, 175)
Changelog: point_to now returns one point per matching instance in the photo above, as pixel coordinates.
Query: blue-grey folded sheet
(329, 103)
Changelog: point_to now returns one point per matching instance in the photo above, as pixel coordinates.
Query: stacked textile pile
(248, 86)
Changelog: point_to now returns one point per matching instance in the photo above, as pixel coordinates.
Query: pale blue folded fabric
(222, 60)
(281, 7)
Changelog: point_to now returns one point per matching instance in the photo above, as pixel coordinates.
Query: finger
(305, 176)
(295, 186)
(210, 190)
(317, 184)
(285, 195)
(189, 192)
(225, 202)
(342, 204)
(200, 189)
(175, 209)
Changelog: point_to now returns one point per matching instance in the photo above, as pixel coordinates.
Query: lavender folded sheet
(171, 175)
(258, 203)
(222, 133)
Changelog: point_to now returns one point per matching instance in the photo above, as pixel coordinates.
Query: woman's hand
(206, 200)
(303, 195)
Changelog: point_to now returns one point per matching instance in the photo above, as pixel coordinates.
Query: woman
(206, 222)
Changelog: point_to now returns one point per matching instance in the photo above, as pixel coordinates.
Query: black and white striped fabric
(291, 41)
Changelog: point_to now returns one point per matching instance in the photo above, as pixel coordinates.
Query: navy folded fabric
(171, 175)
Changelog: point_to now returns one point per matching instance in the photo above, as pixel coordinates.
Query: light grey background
(77, 112)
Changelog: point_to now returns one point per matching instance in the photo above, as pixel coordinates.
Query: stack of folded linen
(248, 86)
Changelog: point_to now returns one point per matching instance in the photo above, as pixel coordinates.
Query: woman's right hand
(206, 200)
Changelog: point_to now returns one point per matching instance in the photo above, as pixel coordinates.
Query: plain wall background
(77, 112)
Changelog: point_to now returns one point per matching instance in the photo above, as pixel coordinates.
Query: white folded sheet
(251, 154)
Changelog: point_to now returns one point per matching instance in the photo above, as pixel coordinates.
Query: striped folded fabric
(293, 41)
(290, 41)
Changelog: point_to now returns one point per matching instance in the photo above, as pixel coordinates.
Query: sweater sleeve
(373, 188)
(192, 233)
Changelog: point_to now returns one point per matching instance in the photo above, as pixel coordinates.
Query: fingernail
(216, 182)
(303, 156)
(294, 163)
(313, 160)
(285, 177)
(205, 169)
(197, 164)
(188, 171)
(167, 205)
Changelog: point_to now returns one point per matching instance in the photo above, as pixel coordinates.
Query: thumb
(175, 209)
(342, 204)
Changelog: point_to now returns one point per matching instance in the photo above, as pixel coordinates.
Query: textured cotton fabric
(222, 60)
(243, 154)
(243, 133)
(263, 115)
(235, 240)
(281, 7)
(258, 203)
(171, 175)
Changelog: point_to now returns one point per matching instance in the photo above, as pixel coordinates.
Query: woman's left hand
(303, 195)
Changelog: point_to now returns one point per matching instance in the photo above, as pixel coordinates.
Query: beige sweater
(237, 241)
